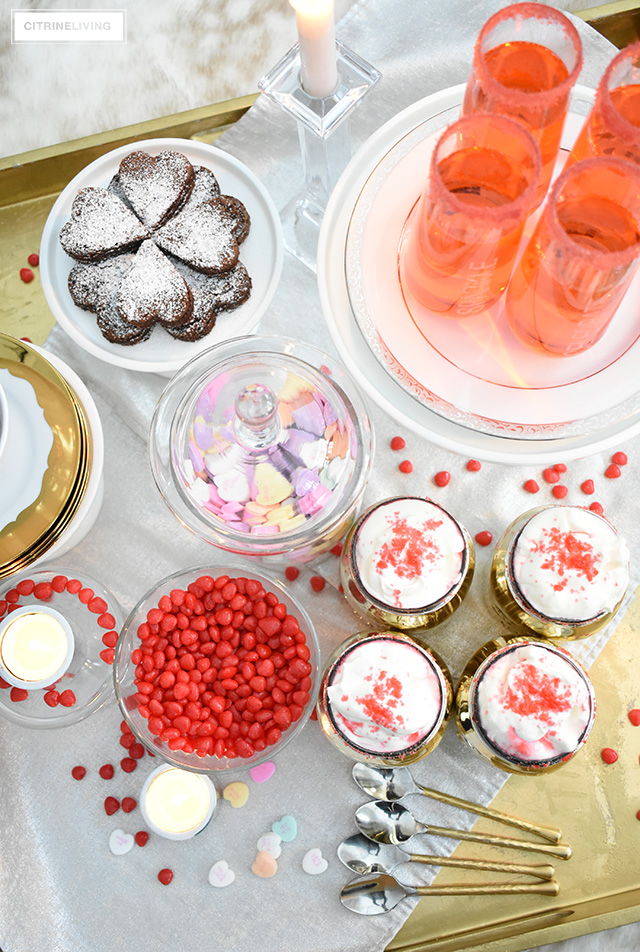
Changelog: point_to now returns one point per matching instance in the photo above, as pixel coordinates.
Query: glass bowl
(89, 675)
(150, 717)
(263, 447)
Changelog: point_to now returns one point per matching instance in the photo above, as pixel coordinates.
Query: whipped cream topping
(570, 563)
(385, 696)
(533, 703)
(408, 553)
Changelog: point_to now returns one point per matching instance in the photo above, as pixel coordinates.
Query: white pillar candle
(176, 803)
(316, 33)
(36, 647)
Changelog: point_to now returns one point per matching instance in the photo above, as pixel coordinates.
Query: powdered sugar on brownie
(153, 290)
(100, 226)
(570, 563)
(202, 235)
(157, 185)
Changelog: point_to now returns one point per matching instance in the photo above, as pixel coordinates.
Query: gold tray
(600, 885)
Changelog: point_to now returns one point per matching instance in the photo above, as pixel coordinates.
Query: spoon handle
(544, 889)
(562, 850)
(541, 871)
(547, 832)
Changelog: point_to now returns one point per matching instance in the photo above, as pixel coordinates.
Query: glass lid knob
(257, 424)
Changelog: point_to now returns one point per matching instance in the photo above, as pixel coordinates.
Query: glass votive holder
(613, 126)
(460, 241)
(526, 60)
(580, 259)
(385, 699)
(177, 804)
(527, 706)
(407, 564)
(559, 572)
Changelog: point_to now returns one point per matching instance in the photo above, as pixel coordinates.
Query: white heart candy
(120, 842)
(314, 862)
(270, 843)
(220, 874)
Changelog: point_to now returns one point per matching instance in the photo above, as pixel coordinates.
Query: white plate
(451, 422)
(261, 253)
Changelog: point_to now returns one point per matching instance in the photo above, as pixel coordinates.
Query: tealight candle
(36, 647)
(176, 803)
(316, 34)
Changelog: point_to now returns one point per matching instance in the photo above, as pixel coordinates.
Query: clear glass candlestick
(325, 142)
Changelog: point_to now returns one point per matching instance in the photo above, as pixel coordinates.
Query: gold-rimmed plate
(46, 460)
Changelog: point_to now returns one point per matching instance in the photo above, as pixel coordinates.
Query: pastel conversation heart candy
(270, 843)
(314, 862)
(221, 875)
(120, 842)
(237, 793)
(263, 772)
(264, 865)
(286, 828)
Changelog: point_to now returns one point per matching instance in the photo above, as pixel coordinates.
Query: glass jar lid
(256, 445)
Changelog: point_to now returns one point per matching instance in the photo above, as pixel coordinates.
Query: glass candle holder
(527, 706)
(559, 572)
(385, 699)
(407, 564)
(580, 259)
(613, 126)
(177, 804)
(460, 241)
(526, 60)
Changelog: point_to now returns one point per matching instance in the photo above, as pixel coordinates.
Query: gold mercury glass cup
(527, 706)
(385, 699)
(559, 572)
(407, 564)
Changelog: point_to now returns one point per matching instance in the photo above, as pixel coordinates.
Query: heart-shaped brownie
(100, 226)
(152, 290)
(156, 186)
(202, 235)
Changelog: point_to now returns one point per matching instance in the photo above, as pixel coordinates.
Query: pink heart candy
(263, 772)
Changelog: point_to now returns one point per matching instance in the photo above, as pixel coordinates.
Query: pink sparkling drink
(460, 241)
(526, 60)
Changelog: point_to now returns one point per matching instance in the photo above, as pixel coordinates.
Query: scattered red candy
(136, 751)
(442, 478)
(26, 275)
(484, 538)
(128, 804)
(43, 591)
(620, 458)
(613, 471)
(588, 487)
(52, 698)
(596, 507)
(397, 443)
(317, 583)
(292, 572)
(106, 771)
(165, 876)
(531, 486)
(111, 806)
(609, 755)
(110, 639)
(128, 764)
(559, 492)
(78, 772)
(34, 260)
(337, 550)
(406, 466)
(141, 837)
(18, 694)
(560, 468)
(551, 475)
(67, 698)
(107, 655)
(634, 716)
(474, 465)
